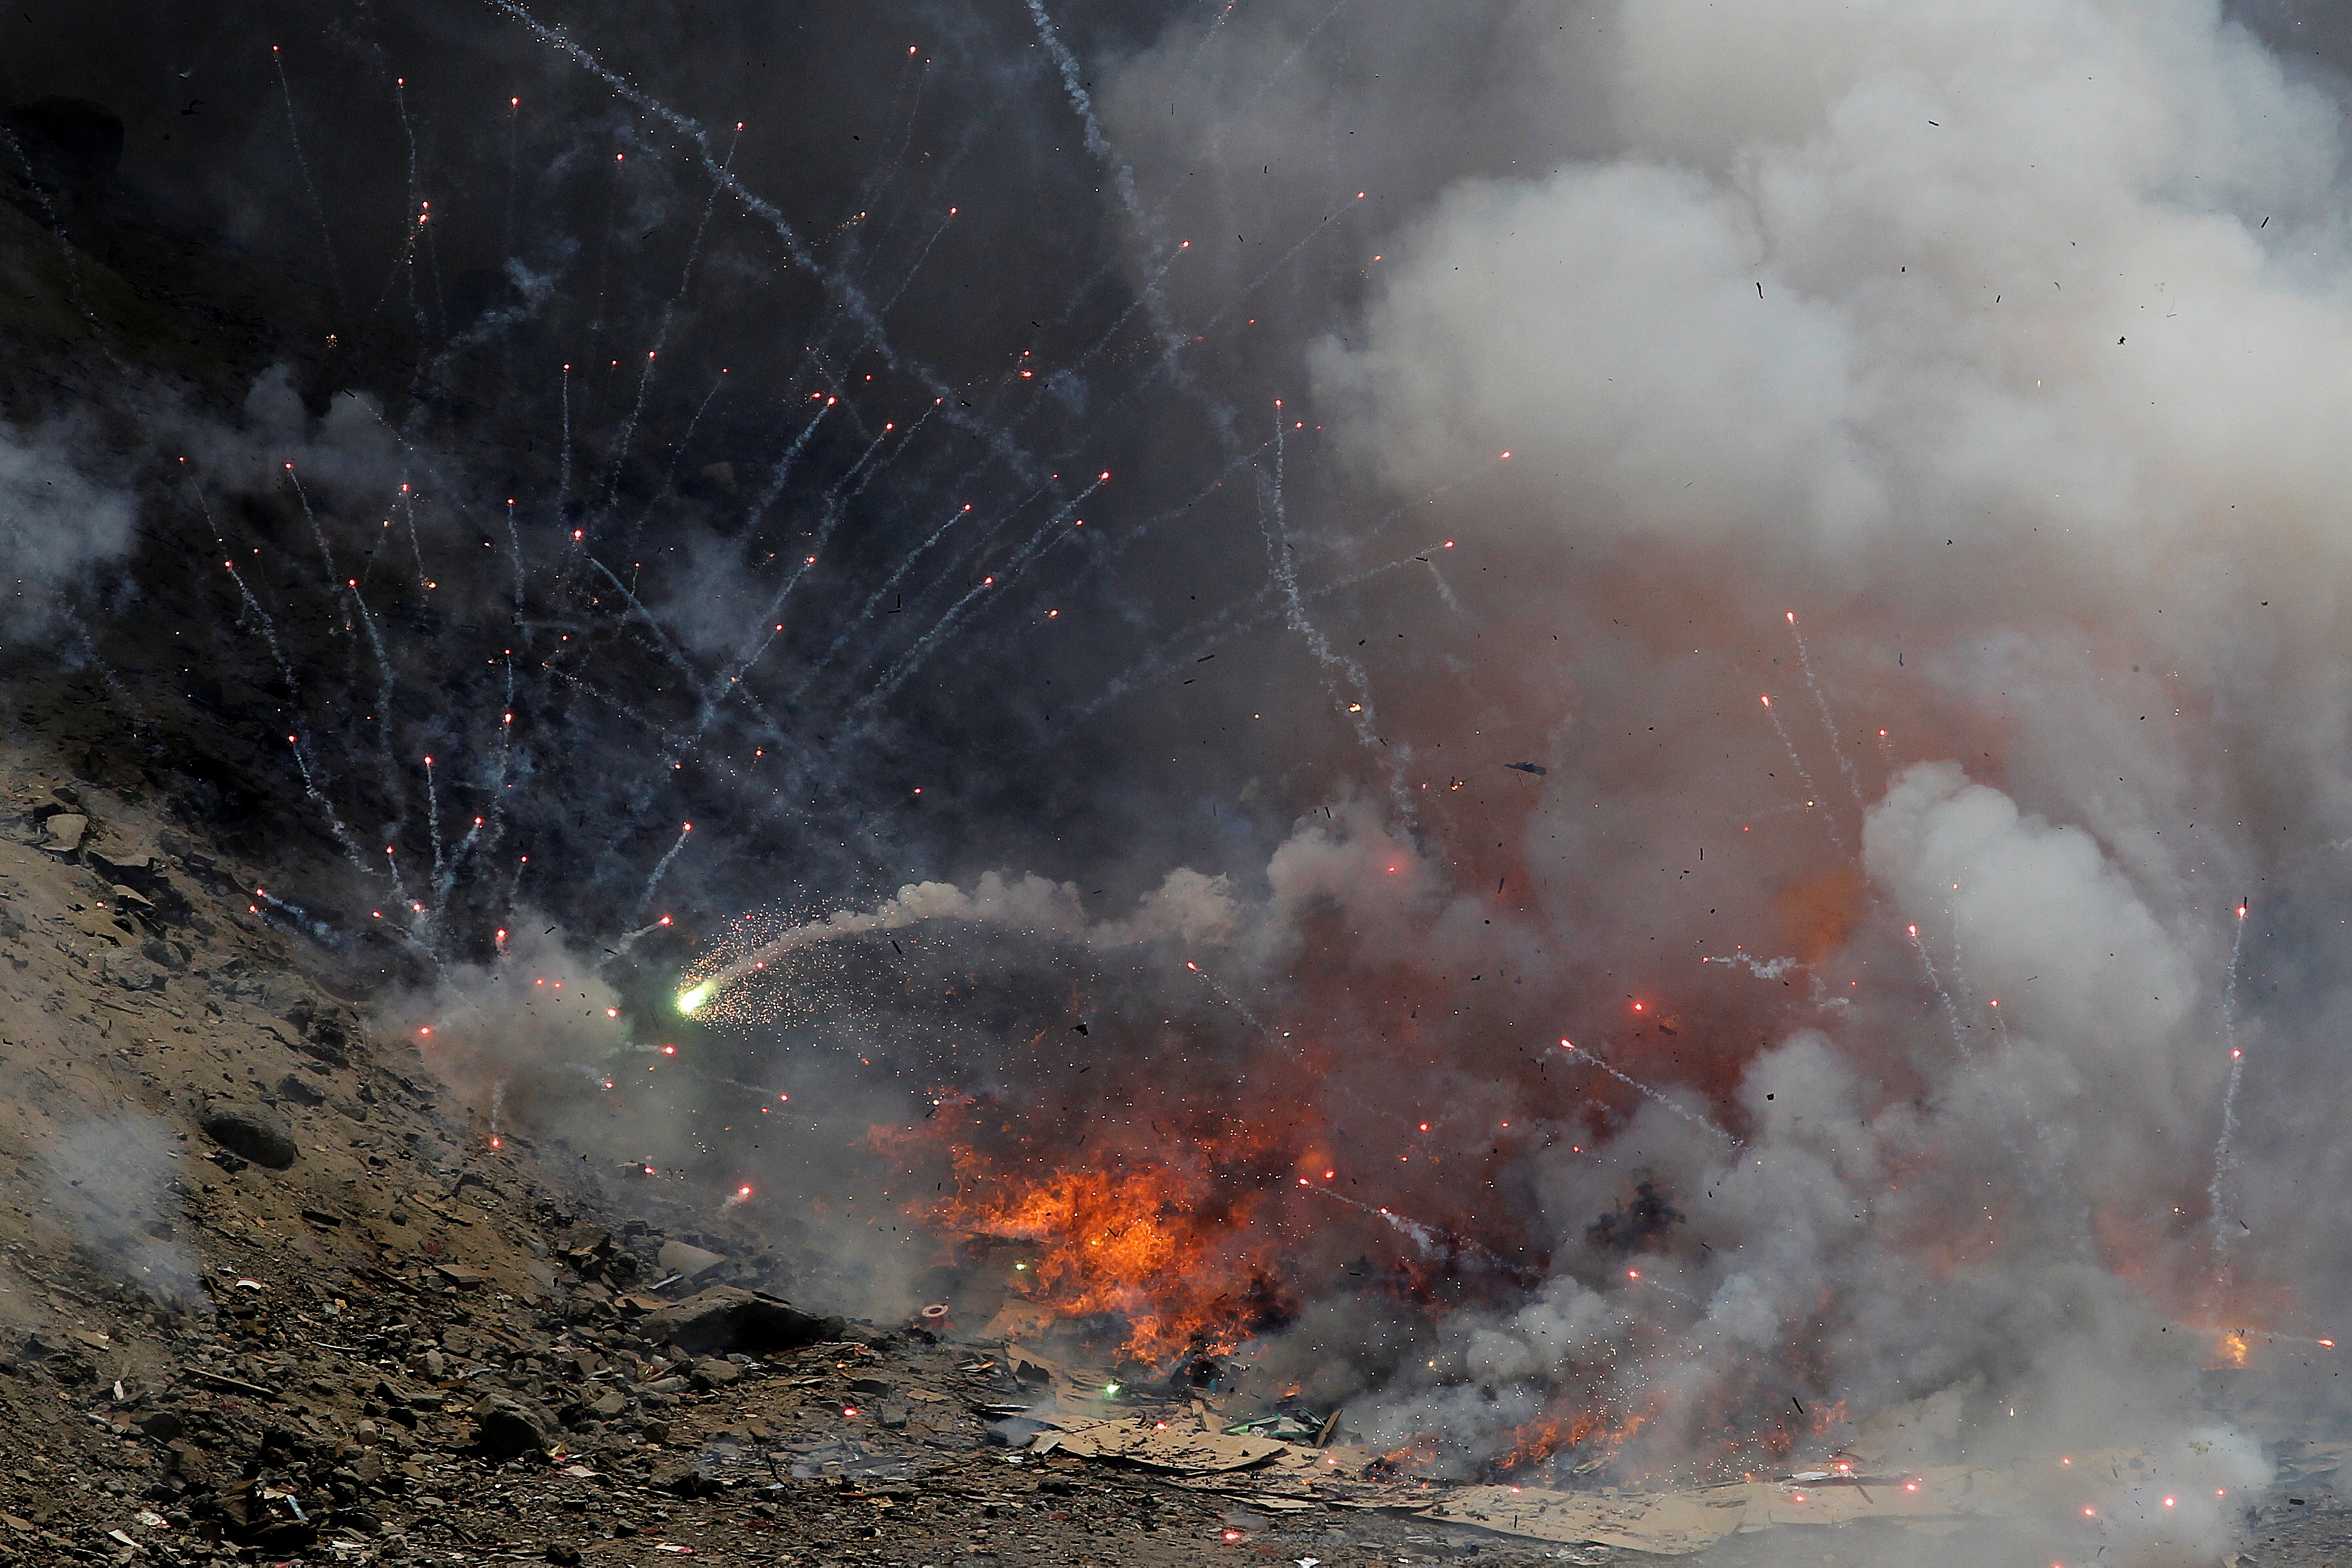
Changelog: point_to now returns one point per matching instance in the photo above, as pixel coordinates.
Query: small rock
(712, 1372)
(293, 1087)
(247, 1135)
(131, 972)
(65, 831)
(562, 1555)
(687, 1481)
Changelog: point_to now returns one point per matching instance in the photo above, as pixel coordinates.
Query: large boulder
(505, 1427)
(254, 1137)
(724, 1319)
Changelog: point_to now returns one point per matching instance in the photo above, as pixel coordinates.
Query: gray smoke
(110, 1182)
(55, 524)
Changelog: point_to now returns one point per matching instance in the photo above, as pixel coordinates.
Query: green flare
(694, 996)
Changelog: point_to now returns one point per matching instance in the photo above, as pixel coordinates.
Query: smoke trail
(2216, 1194)
(1821, 704)
(1805, 775)
(1685, 1112)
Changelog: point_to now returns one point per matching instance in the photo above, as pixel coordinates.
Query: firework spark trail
(68, 253)
(636, 609)
(1030, 905)
(497, 811)
(432, 828)
(1676, 1106)
(415, 546)
(1280, 552)
(1111, 333)
(1829, 725)
(1215, 630)
(1812, 791)
(1959, 1032)
(445, 882)
(1221, 627)
(318, 532)
(1444, 589)
(399, 883)
(844, 290)
(319, 799)
(907, 278)
(301, 919)
(897, 575)
(1762, 968)
(1242, 295)
(2217, 1193)
(1297, 52)
(293, 701)
(386, 763)
(783, 468)
(406, 263)
(685, 830)
(87, 643)
(514, 556)
(668, 485)
(870, 189)
(605, 250)
(835, 505)
(630, 939)
(897, 674)
(661, 340)
(636, 411)
(1951, 1013)
(1235, 1003)
(1431, 1241)
(564, 471)
(1172, 341)
(898, 912)
(294, 137)
(608, 699)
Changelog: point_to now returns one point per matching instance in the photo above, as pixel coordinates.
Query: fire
(2230, 1349)
(1565, 1428)
(1166, 1245)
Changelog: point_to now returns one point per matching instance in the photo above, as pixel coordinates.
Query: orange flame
(1165, 1243)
